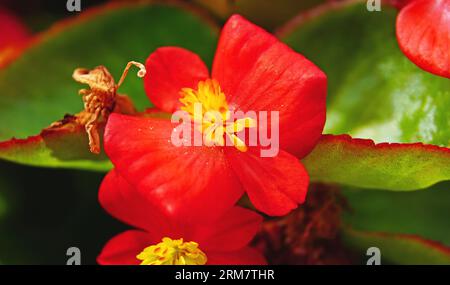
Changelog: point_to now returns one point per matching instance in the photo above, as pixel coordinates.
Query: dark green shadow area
(43, 212)
(425, 213)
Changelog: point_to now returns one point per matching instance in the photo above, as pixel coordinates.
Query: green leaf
(423, 213)
(66, 148)
(37, 88)
(408, 228)
(397, 249)
(358, 162)
(374, 90)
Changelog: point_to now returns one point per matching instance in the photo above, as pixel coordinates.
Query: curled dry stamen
(101, 98)
(141, 73)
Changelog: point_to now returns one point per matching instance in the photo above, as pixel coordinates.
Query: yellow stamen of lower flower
(172, 252)
(209, 109)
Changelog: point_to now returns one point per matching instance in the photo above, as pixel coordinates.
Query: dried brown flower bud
(101, 98)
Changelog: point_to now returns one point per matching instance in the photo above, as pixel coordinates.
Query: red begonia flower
(423, 33)
(12, 30)
(157, 239)
(252, 71)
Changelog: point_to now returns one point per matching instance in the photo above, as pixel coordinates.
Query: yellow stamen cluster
(172, 252)
(209, 109)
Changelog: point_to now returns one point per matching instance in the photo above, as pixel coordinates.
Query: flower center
(172, 252)
(209, 109)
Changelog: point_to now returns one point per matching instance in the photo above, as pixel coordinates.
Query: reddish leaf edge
(35, 139)
(67, 141)
(384, 145)
(64, 147)
(340, 159)
(432, 244)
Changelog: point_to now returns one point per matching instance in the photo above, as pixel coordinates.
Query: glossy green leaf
(358, 162)
(374, 92)
(37, 88)
(409, 228)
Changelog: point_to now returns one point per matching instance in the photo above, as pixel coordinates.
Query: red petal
(12, 30)
(125, 203)
(259, 73)
(168, 70)
(246, 256)
(275, 185)
(123, 248)
(423, 33)
(232, 232)
(192, 183)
